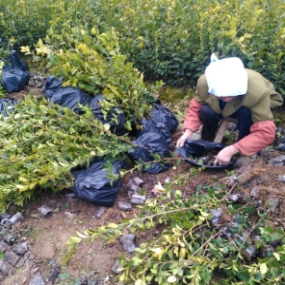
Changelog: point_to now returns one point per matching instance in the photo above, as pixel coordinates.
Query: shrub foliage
(166, 39)
(193, 246)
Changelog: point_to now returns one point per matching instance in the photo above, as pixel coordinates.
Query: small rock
(3, 246)
(232, 127)
(20, 262)
(280, 130)
(20, 249)
(37, 280)
(5, 267)
(249, 252)
(71, 197)
(99, 212)
(280, 146)
(45, 211)
(272, 204)
(217, 213)
(69, 215)
(124, 206)
(280, 160)
(117, 268)
(127, 241)
(138, 181)
(11, 257)
(265, 155)
(9, 238)
(231, 181)
(254, 192)
(167, 180)
(134, 187)
(281, 177)
(236, 198)
(16, 218)
(138, 199)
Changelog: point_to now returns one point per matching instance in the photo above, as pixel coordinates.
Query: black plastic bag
(194, 149)
(7, 106)
(71, 97)
(162, 114)
(115, 116)
(92, 185)
(147, 145)
(15, 77)
(151, 126)
(52, 86)
(68, 97)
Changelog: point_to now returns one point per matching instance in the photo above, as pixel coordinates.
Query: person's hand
(225, 155)
(187, 135)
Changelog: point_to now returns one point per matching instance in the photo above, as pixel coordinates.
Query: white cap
(226, 77)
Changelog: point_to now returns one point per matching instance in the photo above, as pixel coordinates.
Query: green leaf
(106, 127)
(263, 268)
(112, 225)
(276, 255)
(171, 279)
(140, 282)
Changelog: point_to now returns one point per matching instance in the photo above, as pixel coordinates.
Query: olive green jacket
(260, 98)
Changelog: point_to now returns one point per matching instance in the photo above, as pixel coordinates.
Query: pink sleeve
(261, 135)
(192, 119)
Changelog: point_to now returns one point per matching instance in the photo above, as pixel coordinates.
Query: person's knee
(244, 114)
(205, 111)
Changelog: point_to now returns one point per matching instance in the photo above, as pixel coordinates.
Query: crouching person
(227, 89)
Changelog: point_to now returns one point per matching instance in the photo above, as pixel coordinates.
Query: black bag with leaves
(17, 76)
(162, 114)
(92, 184)
(68, 97)
(195, 149)
(151, 126)
(147, 145)
(51, 87)
(7, 106)
(115, 117)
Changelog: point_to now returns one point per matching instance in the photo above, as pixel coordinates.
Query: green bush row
(166, 39)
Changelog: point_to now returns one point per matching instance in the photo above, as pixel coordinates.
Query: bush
(169, 40)
(41, 143)
(92, 62)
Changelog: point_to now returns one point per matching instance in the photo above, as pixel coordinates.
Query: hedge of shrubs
(166, 39)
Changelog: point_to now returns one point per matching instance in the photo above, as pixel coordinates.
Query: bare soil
(92, 262)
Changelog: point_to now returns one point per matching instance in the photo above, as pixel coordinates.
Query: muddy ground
(46, 237)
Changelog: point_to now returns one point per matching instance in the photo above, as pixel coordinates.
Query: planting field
(98, 72)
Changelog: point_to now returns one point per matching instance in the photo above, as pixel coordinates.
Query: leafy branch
(191, 248)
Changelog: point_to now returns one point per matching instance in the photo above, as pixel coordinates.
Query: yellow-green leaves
(263, 268)
(42, 143)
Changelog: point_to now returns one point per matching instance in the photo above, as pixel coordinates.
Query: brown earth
(92, 262)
